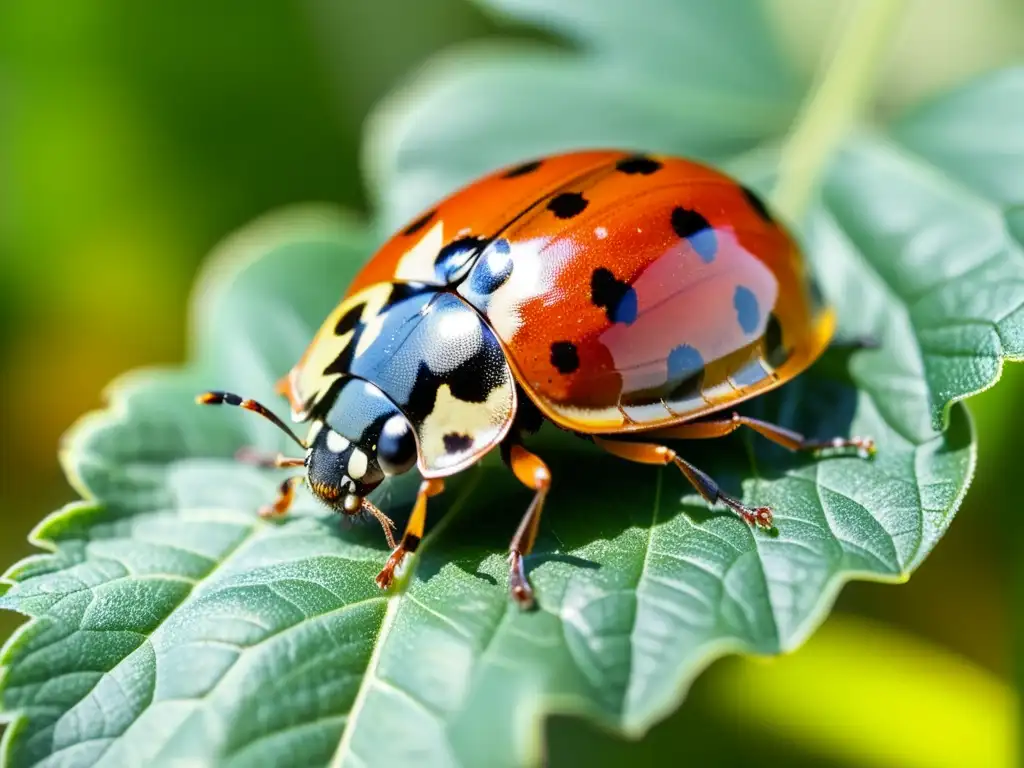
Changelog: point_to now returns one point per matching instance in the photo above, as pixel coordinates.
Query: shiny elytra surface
(628, 292)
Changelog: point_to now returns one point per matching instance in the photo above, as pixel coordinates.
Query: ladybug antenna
(227, 398)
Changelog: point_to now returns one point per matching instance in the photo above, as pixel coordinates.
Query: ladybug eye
(396, 448)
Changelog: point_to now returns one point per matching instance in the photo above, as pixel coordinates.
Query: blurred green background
(133, 136)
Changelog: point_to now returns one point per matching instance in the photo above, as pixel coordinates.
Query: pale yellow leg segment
(413, 531)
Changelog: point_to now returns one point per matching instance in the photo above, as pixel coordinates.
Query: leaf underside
(170, 623)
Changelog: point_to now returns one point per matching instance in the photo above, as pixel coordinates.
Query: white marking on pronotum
(336, 443)
(314, 430)
(600, 233)
(357, 464)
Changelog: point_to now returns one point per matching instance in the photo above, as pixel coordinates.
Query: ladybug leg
(267, 460)
(532, 472)
(650, 453)
(285, 496)
(794, 441)
(413, 531)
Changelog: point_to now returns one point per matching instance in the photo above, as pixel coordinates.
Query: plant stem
(835, 103)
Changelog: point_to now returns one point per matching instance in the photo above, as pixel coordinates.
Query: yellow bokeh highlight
(869, 695)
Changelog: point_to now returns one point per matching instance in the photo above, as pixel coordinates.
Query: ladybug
(626, 298)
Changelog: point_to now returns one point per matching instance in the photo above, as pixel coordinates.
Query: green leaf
(560, 100)
(171, 624)
(656, 78)
(668, 39)
(927, 212)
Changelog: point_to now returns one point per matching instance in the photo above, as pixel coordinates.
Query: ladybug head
(363, 439)
(341, 472)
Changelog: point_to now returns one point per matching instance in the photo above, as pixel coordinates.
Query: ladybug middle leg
(651, 453)
(285, 496)
(267, 460)
(532, 472)
(413, 531)
(286, 491)
(794, 441)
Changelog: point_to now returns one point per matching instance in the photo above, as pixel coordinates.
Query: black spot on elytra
(419, 224)
(687, 223)
(349, 320)
(755, 202)
(522, 170)
(692, 226)
(774, 352)
(565, 357)
(567, 204)
(453, 259)
(616, 297)
(748, 311)
(455, 442)
(641, 164)
(683, 361)
(685, 372)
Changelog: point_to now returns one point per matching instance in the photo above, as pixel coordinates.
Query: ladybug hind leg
(532, 472)
(652, 453)
(794, 441)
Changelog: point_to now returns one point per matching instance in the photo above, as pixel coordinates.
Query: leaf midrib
(395, 602)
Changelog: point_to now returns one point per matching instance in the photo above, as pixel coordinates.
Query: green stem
(836, 102)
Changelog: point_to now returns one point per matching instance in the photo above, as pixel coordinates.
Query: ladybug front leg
(532, 472)
(285, 497)
(650, 453)
(413, 531)
(787, 438)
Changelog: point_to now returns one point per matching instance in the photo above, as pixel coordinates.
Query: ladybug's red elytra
(626, 298)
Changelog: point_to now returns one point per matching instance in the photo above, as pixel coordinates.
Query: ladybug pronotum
(626, 298)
